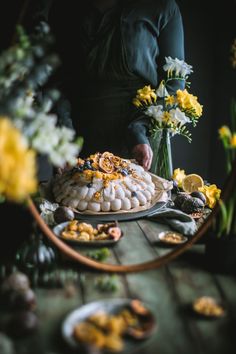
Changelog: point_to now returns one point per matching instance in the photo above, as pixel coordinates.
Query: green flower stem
(228, 161)
(233, 226)
(230, 215)
(162, 159)
(223, 218)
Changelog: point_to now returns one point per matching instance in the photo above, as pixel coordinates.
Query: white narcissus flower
(156, 112)
(162, 91)
(42, 134)
(177, 116)
(180, 67)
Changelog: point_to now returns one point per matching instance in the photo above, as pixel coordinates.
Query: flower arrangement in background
(27, 127)
(226, 225)
(169, 113)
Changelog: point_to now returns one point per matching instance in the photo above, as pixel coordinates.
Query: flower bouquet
(169, 113)
(27, 126)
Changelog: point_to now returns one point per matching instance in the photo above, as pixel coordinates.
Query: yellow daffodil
(178, 176)
(189, 102)
(137, 103)
(17, 164)
(212, 194)
(224, 132)
(166, 118)
(233, 141)
(170, 100)
(146, 95)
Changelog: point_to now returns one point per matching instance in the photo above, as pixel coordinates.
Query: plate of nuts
(89, 233)
(171, 238)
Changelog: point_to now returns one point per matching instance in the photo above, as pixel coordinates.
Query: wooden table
(169, 291)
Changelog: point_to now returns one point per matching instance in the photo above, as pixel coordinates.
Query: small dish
(90, 312)
(208, 307)
(172, 238)
(58, 229)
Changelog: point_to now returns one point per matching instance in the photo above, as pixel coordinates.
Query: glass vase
(162, 158)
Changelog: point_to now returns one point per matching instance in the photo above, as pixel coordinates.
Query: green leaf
(107, 283)
(99, 255)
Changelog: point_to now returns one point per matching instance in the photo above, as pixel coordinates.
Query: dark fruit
(62, 214)
(175, 186)
(23, 323)
(192, 205)
(199, 195)
(15, 282)
(180, 199)
(22, 300)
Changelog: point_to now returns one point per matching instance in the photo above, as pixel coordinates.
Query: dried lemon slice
(192, 182)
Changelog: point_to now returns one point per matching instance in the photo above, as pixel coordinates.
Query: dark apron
(105, 104)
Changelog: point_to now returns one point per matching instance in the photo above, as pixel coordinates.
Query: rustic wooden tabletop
(169, 292)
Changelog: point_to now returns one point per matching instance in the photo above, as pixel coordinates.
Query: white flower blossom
(41, 133)
(162, 91)
(156, 112)
(180, 67)
(177, 116)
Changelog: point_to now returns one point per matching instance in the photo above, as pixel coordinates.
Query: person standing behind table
(109, 50)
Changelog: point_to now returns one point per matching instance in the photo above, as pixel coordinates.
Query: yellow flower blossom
(212, 194)
(170, 100)
(189, 102)
(166, 118)
(178, 176)
(17, 164)
(233, 141)
(146, 95)
(137, 103)
(224, 132)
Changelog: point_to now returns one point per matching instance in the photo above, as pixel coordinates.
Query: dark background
(209, 28)
(209, 31)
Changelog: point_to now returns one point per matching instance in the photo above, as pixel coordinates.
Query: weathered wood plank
(151, 230)
(172, 335)
(191, 282)
(134, 247)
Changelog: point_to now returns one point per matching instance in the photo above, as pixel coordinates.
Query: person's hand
(143, 155)
(62, 169)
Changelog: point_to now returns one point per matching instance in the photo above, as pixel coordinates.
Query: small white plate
(172, 238)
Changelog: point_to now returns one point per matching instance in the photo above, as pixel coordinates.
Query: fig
(62, 214)
(192, 205)
(199, 195)
(180, 199)
(138, 307)
(22, 300)
(15, 282)
(115, 233)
